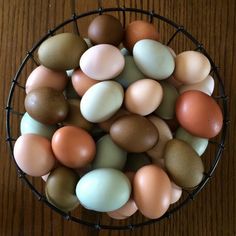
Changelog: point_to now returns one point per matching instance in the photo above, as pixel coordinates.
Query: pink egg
(44, 77)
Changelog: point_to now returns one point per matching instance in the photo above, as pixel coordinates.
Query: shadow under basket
(14, 113)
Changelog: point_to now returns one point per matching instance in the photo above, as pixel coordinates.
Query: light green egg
(166, 109)
(29, 125)
(103, 190)
(130, 73)
(108, 154)
(198, 144)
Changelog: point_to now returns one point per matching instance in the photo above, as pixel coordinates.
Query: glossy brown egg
(134, 133)
(105, 29)
(199, 114)
(46, 105)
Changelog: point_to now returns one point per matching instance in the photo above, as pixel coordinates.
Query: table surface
(213, 22)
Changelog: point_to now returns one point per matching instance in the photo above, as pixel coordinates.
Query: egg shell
(60, 189)
(183, 164)
(33, 154)
(153, 59)
(62, 52)
(108, 154)
(44, 77)
(199, 114)
(105, 29)
(108, 190)
(102, 101)
(46, 105)
(70, 92)
(205, 86)
(74, 116)
(152, 191)
(166, 109)
(28, 125)
(173, 124)
(165, 135)
(88, 42)
(134, 133)
(73, 146)
(69, 72)
(81, 82)
(130, 73)
(191, 67)
(143, 96)
(176, 193)
(172, 51)
(198, 144)
(174, 82)
(102, 62)
(138, 30)
(136, 160)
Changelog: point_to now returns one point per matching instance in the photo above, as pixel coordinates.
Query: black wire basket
(13, 115)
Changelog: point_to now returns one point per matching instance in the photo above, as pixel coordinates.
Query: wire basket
(13, 113)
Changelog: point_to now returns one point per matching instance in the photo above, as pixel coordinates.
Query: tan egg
(176, 193)
(165, 135)
(191, 67)
(143, 96)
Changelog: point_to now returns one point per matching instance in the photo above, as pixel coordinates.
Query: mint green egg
(197, 143)
(108, 154)
(103, 190)
(29, 125)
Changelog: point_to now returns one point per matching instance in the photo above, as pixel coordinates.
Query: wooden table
(213, 22)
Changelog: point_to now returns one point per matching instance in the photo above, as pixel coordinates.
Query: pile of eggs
(113, 130)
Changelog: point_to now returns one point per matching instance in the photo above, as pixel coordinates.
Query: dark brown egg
(46, 105)
(105, 29)
(134, 133)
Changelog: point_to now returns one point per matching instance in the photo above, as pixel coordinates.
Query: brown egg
(143, 96)
(152, 191)
(105, 29)
(136, 160)
(134, 133)
(191, 67)
(199, 114)
(73, 146)
(176, 193)
(138, 30)
(183, 164)
(81, 82)
(75, 117)
(44, 77)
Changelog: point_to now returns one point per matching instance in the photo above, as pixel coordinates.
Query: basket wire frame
(179, 29)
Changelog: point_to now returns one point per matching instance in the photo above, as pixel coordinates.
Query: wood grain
(213, 22)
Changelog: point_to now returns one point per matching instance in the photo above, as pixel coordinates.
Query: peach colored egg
(73, 146)
(81, 82)
(176, 193)
(33, 154)
(44, 77)
(102, 62)
(143, 96)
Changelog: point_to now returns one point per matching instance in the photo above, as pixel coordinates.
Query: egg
(46, 105)
(44, 77)
(130, 73)
(143, 96)
(173, 124)
(134, 133)
(165, 135)
(171, 80)
(205, 86)
(136, 160)
(81, 82)
(101, 101)
(153, 59)
(60, 189)
(138, 30)
(88, 42)
(125, 52)
(176, 193)
(70, 92)
(108, 190)
(69, 72)
(166, 109)
(73, 146)
(152, 191)
(62, 52)
(198, 144)
(105, 29)
(108, 154)
(33, 154)
(183, 164)
(74, 116)
(199, 114)
(102, 62)
(191, 67)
